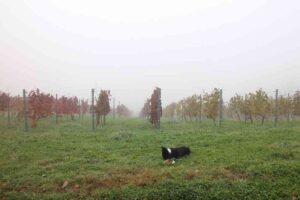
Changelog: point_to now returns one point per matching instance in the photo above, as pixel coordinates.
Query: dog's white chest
(169, 150)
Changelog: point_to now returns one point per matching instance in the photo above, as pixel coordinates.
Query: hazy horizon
(130, 47)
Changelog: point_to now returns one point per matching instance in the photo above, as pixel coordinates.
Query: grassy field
(123, 161)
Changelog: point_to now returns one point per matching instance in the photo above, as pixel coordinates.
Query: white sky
(129, 47)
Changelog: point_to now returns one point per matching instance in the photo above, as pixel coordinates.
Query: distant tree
(145, 112)
(84, 106)
(17, 107)
(260, 104)
(62, 107)
(122, 110)
(4, 101)
(211, 103)
(189, 108)
(248, 109)
(284, 106)
(237, 105)
(40, 105)
(169, 110)
(102, 106)
(192, 107)
(180, 109)
(296, 103)
(72, 105)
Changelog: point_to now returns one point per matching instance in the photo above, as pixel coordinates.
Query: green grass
(123, 161)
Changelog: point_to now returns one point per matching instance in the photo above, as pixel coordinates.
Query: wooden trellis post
(25, 111)
(56, 116)
(79, 106)
(276, 108)
(220, 108)
(158, 108)
(114, 109)
(93, 110)
(8, 111)
(200, 108)
(289, 109)
(246, 109)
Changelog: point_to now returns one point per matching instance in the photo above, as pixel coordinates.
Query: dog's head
(166, 153)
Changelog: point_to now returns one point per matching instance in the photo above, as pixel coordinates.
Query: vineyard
(249, 108)
(254, 106)
(244, 148)
(149, 100)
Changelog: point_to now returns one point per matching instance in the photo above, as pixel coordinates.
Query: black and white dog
(170, 153)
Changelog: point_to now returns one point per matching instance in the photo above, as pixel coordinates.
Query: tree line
(254, 106)
(41, 105)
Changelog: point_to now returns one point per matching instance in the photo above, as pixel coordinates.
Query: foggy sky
(129, 47)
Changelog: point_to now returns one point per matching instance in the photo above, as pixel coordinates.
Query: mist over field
(134, 99)
(130, 47)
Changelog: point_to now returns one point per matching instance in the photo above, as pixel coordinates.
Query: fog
(130, 47)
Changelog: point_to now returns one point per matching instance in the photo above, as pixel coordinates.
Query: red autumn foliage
(73, 106)
(122, 110)
(40, 105)
(68, 106)
(4, 101)
(155, 105)
(17, 107)
(62, 107)
(145, 112)
(102, 105)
